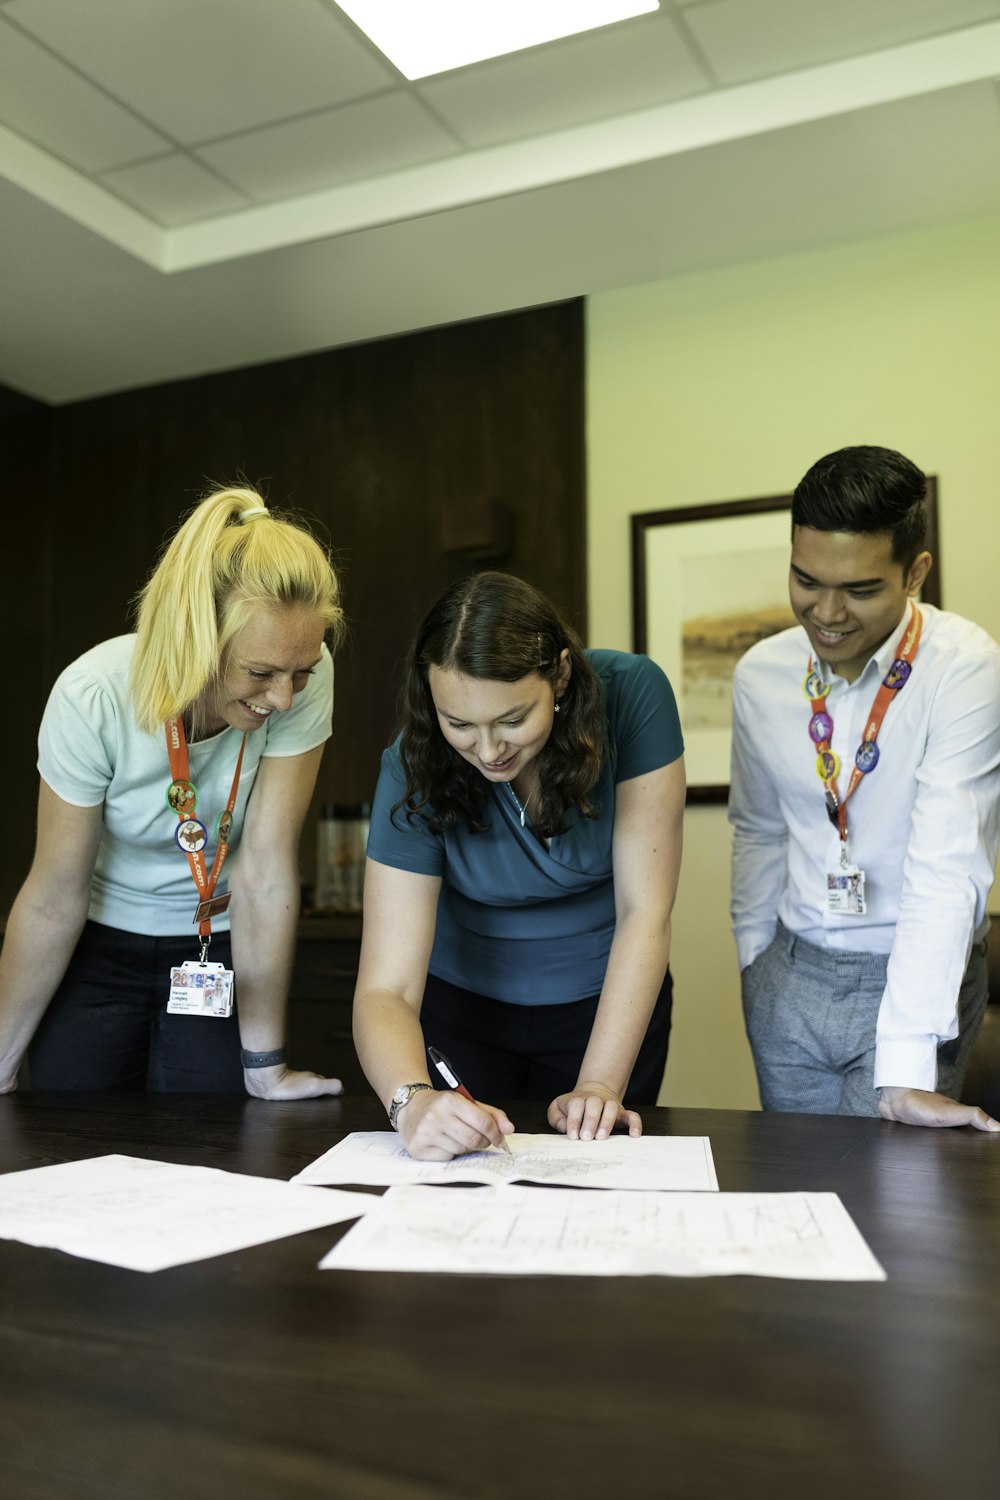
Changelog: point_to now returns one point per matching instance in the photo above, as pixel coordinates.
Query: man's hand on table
(919, 1107)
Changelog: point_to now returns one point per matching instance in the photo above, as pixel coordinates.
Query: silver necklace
(521, 807)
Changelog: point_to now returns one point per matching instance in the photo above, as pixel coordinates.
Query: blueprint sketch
(147, 1215)
(378, 1158)
(544, 1231)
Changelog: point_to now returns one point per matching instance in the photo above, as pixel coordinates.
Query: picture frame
(707, 582)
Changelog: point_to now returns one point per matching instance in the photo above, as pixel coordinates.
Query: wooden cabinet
(319, 1011)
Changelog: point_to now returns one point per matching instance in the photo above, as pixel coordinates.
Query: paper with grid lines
(550, 1232)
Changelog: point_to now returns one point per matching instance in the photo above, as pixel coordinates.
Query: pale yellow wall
(729, 384)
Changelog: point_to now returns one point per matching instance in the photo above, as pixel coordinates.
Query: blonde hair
(230, 556)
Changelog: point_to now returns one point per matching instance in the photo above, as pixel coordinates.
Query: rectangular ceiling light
(430, 36)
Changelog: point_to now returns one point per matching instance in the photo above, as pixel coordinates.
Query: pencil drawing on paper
(378, 1158)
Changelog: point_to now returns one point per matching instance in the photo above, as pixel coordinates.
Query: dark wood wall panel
(26, 586)
(379, 442)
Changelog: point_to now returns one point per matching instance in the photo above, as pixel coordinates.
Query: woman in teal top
(522, 863)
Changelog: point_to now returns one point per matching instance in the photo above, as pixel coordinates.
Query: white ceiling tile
(54, 108)
(744, 39)
(174, 190)
(340, 145)
(203, 68)
(592, 77)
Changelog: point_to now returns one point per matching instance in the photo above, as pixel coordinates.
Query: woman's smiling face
(498, 727)
(270, 659)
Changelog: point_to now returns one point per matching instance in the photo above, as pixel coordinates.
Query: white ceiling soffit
(189, 186)
(728, 114)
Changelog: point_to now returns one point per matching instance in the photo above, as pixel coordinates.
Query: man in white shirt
(865, 806)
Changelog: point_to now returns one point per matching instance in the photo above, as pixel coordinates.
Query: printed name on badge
(201, 990)
(845, 891)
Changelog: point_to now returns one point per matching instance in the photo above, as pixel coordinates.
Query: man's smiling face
(849, 593)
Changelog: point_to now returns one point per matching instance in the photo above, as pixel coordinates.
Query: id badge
(201, 990)
(845, 891)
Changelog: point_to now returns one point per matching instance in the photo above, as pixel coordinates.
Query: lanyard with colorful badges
(201, 988)
(845, 886)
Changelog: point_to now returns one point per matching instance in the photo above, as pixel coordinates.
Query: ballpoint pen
(453, 1081)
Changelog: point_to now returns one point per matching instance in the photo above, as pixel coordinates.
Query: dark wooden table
(255, 1376)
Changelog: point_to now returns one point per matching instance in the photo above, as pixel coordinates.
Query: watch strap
(402, 1097)
(272, 1059)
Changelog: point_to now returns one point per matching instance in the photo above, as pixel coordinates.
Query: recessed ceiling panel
(105, 299)
(174, 190)
(377, 135)
(197, 69)
(614, 71)
(53, 107)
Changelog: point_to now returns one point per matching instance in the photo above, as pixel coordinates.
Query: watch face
(402, 1096)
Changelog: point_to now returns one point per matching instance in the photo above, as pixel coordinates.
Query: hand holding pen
(453, 1081)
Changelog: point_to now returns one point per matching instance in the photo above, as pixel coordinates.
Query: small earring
(556, 706)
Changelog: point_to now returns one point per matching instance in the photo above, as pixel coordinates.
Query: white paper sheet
(147, 1215)
(378, 1158)
(545, 1231)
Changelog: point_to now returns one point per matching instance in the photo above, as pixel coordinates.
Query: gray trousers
(810, 1016)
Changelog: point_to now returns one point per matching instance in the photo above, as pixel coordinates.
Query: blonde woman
(176, 768)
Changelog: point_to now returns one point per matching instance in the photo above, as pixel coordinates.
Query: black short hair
(867, 490)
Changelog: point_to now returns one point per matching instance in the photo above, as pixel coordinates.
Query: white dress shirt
(924, 825)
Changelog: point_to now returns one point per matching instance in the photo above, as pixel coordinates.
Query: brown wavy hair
(497, 627)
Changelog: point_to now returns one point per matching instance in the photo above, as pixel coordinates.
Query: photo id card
(201, 990)
(845, 891)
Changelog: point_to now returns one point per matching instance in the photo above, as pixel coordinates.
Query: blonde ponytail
(230, 555)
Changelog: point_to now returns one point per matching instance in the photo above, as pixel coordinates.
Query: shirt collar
(882, 659)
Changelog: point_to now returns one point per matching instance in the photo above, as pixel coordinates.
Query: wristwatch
(401, 1097)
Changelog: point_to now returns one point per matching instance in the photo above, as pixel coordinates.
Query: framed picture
(708, 581)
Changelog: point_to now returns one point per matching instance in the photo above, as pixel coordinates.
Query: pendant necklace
(522, 807)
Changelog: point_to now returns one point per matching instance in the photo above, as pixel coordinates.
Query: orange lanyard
(867, 754)
(191, 835)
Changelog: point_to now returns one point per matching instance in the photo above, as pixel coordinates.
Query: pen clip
(444, 1067)
(453, 1081)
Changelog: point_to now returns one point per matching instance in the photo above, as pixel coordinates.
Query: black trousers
(107, 1026)
(503, 1051)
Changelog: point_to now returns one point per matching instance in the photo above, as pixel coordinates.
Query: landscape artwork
(709, 583)
(728, 603)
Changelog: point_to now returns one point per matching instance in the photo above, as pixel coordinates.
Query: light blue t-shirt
(516, 920)
(91, 751)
